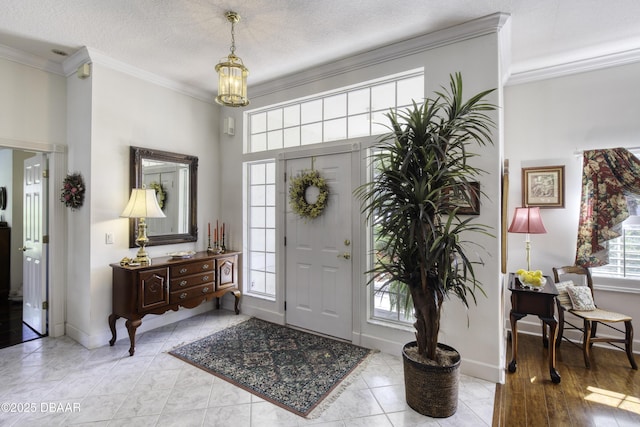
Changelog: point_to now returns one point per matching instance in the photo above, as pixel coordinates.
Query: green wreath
(297, 193)
(160, 193)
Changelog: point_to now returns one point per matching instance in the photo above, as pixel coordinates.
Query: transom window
(342, 114)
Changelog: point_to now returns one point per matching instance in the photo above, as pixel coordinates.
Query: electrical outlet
(108, 238)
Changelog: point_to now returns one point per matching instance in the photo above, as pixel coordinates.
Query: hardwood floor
(12, 330)
(607, 394)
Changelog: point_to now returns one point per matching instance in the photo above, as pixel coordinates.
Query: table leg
(553, 336)
(237, 294)
(112, 326)
(514, 317)
(132, 325)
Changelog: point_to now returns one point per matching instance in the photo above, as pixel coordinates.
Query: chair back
(575, 270)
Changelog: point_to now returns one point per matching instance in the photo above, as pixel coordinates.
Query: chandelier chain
(233, 38)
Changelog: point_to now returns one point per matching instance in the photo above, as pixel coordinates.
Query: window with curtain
(624, 251)
(609, 230)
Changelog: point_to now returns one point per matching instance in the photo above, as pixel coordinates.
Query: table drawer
(190, 281)
(193, 292)
(191, 268)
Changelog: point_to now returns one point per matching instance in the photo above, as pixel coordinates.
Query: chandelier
(232, 74)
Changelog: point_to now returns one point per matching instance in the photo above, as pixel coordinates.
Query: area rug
(290, 368)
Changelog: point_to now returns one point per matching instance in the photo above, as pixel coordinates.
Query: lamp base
(142, 257)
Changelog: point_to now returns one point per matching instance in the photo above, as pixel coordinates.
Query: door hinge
(285, 240)
(45, 305)
(45, 239)
(285, 306)
(285, 177)
(45, 173)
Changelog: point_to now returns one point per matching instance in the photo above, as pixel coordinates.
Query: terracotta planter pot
(431, 390)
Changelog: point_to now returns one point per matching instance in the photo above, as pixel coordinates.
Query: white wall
(33, 117)
(479, 59)
(545, 123)
(124, 111)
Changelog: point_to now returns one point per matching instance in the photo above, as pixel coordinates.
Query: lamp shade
(527, 220)
(142, 204)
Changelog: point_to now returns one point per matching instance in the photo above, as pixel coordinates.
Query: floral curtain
(606, 176)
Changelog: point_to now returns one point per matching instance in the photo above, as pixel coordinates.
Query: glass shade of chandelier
(232, 74)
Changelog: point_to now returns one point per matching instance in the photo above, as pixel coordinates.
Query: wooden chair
(591, 318)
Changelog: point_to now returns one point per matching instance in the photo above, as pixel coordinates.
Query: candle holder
(209, 248)
(223, 249)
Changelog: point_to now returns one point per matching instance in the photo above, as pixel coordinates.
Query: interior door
(33, 248)
(318, 253)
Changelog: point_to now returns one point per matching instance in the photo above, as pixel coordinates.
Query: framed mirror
(174, 177)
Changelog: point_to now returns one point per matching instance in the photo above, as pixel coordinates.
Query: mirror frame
(135, 181)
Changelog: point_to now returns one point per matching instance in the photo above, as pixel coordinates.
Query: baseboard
(77, 335)
(263, 314)
(150, 322)
(470, 367)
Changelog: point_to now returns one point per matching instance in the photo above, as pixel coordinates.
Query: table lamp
(142, 204)
(529, 221)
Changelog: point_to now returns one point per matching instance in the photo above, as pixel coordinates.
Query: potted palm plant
(422, 173)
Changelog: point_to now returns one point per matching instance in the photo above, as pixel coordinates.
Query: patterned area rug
(290, 368)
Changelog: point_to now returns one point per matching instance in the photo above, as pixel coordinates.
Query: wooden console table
(542, 304)
(168, 284)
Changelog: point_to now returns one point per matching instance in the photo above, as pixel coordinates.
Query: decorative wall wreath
(161, 195)
(72, 193)
(298, 190)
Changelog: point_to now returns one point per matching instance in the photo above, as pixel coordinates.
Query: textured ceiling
(182, 40)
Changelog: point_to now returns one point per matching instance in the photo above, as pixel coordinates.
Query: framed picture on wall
(543, 187)
(469, 203)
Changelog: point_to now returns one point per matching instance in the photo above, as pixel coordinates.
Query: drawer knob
(183, 283)
(205, 278)
(205, 290)
(205, 266)
(183, 295)
(183, 270)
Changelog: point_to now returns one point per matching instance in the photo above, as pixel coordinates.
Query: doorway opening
(13, 328)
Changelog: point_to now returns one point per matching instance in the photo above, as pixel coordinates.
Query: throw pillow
(563, 294)
(581, 298)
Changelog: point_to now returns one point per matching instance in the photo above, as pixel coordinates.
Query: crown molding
(71, 64)
(30, 60)
(393, 51)
(100, 58)
(573, 67)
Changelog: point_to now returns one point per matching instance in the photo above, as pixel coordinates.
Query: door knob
(345, 255)
(23, 248)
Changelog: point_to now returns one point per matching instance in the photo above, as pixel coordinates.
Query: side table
(542, 304)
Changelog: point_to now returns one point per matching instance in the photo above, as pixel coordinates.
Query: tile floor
(62, 383)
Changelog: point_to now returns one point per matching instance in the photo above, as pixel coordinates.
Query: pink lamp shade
(527, 220)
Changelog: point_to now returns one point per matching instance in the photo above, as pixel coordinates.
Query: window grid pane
(260, 230)
(339, 115)
(388, 300)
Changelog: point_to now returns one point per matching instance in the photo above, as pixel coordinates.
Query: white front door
(34, 250)
(318, 253)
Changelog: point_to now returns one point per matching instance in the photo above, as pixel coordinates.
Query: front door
(33, 248)
(318, 253)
